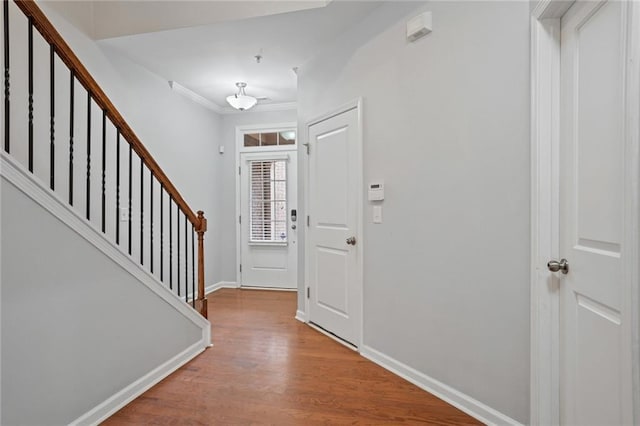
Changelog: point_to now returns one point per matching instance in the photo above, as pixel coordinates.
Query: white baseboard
(208, 289)
(464, 402)
(232, 284)
(301, 316)
(217, 286)
(107, 408)
(254, 287)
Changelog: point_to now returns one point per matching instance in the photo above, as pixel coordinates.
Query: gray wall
(76, 326)
(182, 136)
(446, 125)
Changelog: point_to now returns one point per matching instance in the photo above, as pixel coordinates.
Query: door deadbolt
(351, 241)
(562, 266)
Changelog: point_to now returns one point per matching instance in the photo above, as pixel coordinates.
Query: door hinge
(240, 220)
(308, 146)
(308, 221)
(241, 267)
(239, 170)
(308, 292)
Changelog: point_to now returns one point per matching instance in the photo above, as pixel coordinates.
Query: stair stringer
(15, 174)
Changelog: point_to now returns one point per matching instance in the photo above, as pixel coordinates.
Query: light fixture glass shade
(241, 102)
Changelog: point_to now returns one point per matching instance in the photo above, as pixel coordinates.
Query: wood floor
(267, 368)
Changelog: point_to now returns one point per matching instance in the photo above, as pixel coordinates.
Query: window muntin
(268, 201)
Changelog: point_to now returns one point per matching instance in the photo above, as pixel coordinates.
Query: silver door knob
(351, 241)
(562, 266)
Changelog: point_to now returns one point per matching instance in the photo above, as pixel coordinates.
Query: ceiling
(210, 59)
(103, 19)
(119, 18)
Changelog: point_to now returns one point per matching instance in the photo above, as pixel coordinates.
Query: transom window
(285, 137)
(268, 201)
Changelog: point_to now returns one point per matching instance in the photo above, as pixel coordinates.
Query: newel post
(201, 302)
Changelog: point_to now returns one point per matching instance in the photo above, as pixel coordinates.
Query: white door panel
(595, 379)
(331, 267)
(331, 194)
(334, 194)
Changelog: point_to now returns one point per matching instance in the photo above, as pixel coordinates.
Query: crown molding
(178, 88)
(280, 106)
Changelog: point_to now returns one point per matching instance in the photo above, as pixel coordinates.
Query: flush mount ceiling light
(241, 100)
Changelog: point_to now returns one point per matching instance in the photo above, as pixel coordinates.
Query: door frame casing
(545, 207)
(359, 169)
(239, 144)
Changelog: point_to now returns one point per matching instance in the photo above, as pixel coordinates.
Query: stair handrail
(46, 29)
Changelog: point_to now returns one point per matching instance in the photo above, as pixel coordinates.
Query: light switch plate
(124, 214)
(377, 214)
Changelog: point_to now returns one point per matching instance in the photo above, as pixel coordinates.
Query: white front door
(334, 243)
(268, 194)
(595, 344)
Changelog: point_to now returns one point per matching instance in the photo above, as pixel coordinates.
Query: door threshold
(253, 287)
(334, 337)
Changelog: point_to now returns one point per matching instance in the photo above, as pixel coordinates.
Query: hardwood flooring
(267, 368)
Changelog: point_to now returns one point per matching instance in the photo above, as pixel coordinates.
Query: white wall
(446, 125)
(77, 327)
(224, 232)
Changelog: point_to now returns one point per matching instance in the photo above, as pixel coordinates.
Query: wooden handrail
(51, 35)
(38, 19)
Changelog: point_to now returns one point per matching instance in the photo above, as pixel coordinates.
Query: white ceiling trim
(280, 106)
(178, 88)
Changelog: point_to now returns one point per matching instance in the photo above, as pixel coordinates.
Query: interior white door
(595, 365)
(268, 197)
(333, 201)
